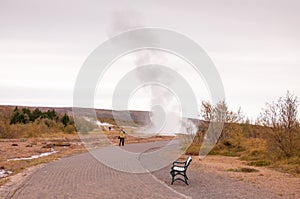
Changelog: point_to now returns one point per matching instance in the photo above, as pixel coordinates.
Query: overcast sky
(255, 45)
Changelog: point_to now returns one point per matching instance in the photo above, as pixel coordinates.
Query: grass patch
(291, 166)
(3, 181)
(193, 149)
(227, 149)
(291, 169)
(244, 170)
(260, 163)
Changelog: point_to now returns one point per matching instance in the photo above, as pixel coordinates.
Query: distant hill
(139, 117)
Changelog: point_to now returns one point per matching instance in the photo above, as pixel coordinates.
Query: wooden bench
(180, 168)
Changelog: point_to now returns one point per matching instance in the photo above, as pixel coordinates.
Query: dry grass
(3, 181)
(21, 148)
(244, 169)
(255, 152)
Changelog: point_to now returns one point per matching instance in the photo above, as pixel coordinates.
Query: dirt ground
(25, 148)
(283, 184)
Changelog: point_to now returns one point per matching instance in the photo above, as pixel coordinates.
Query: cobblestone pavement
(82, 176)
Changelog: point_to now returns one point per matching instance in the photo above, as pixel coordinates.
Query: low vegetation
(274, 140)
(27, 123)
(244, 170)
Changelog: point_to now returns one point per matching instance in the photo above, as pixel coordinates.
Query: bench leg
(173, 175)
(186, 181)
(185, 178)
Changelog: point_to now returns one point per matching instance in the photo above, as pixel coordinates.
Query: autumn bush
(69, 129)
(283, 132)
(33, 123)
(274, 140)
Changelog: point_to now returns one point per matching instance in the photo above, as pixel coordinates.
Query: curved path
(82, 176)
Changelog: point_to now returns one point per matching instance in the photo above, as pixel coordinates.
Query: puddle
(35, 156)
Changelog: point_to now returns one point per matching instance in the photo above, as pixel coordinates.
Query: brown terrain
(276, 184)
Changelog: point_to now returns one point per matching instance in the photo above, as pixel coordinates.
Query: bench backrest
(188, 161)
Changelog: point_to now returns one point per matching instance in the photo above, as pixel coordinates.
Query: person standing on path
(122, 137)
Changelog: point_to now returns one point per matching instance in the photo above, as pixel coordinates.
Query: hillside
(140, 117)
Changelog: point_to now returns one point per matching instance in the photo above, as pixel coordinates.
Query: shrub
(283, 133)
(227, 143)
(69, 129)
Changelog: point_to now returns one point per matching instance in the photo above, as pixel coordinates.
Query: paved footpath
(83, 176)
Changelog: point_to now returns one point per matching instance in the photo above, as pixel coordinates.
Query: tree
(26, 118)
(26, 111)
(35, 114)
(15, 116)
(52, 115)
(220, 113)
(27, 115)
(282, 119)
(45, 116)
(18, 117)
(65, 120)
